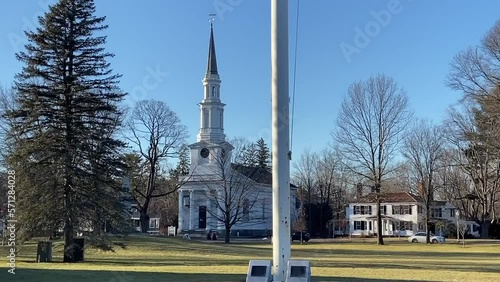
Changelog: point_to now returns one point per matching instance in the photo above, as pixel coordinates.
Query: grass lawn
(173, 259)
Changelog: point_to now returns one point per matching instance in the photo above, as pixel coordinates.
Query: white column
(181, 212)
(281, 136)
(191, 207)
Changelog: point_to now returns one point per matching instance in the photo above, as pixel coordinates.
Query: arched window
(213, 91)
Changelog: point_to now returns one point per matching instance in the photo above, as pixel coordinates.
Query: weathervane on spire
(211, 18)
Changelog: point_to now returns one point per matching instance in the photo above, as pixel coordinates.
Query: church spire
(212, 60)
(211, 107)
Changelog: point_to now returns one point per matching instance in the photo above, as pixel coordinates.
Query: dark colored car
(297, 235)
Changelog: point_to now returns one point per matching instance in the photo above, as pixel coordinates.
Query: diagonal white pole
(281, 137)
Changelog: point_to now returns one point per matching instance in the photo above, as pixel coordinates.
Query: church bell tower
(211, 146)
(211, 107)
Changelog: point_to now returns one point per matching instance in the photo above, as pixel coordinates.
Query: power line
(294, 76)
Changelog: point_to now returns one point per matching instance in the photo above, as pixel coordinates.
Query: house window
(420, 209)
(246, 210)
(359, 225)
(401, 209)
(452, 212)
(406, 209)
(154, 223)
(436, 212)
(396, 209)
(362, 209)
(357, 209)
(185, 201)
(366, 209)
(383, 210)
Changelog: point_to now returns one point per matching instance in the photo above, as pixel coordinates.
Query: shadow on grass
(356, 279)
(38, 275)
(29, 275)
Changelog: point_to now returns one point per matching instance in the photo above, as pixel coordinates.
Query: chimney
(421, 189)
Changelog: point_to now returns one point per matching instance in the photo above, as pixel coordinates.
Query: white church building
(215, 187)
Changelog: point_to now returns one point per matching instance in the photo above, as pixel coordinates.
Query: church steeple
(212, 59)
(211, 107)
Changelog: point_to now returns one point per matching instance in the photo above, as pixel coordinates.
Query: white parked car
(419, 237)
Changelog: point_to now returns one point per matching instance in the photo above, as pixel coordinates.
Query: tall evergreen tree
(249, 156)
(263, 154)
(65, 120)
(182, 167)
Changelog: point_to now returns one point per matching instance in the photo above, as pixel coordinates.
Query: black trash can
(79, 245)
(44, 251)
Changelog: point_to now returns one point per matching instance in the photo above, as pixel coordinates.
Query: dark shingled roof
(212, 60)
(395, 197)
(257, 174)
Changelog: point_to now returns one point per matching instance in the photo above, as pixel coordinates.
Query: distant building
(402, 215)
(130, 207)
(209, 157)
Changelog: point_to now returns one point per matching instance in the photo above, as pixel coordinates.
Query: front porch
(391, 227)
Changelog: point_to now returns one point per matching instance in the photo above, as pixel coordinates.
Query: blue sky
(170, 39)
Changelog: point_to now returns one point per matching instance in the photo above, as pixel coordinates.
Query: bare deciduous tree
(424, 148)
(157, 134)
(455, 183)
(479, 161)
(370, 125)
(233, 192)
(476, 71)
(304, 176)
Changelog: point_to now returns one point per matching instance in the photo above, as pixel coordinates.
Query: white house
(212, 174)
(402, 215)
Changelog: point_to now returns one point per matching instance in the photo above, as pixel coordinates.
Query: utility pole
(281, 138)
(457, 215)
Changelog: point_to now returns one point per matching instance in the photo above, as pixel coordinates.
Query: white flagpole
(281, 138)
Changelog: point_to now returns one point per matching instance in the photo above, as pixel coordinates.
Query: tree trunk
(69, 248)
(380, 238)
(68, 229)
(144, 219)
(427, 225)
(227, 235)
(322, 226)
(309, 219)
